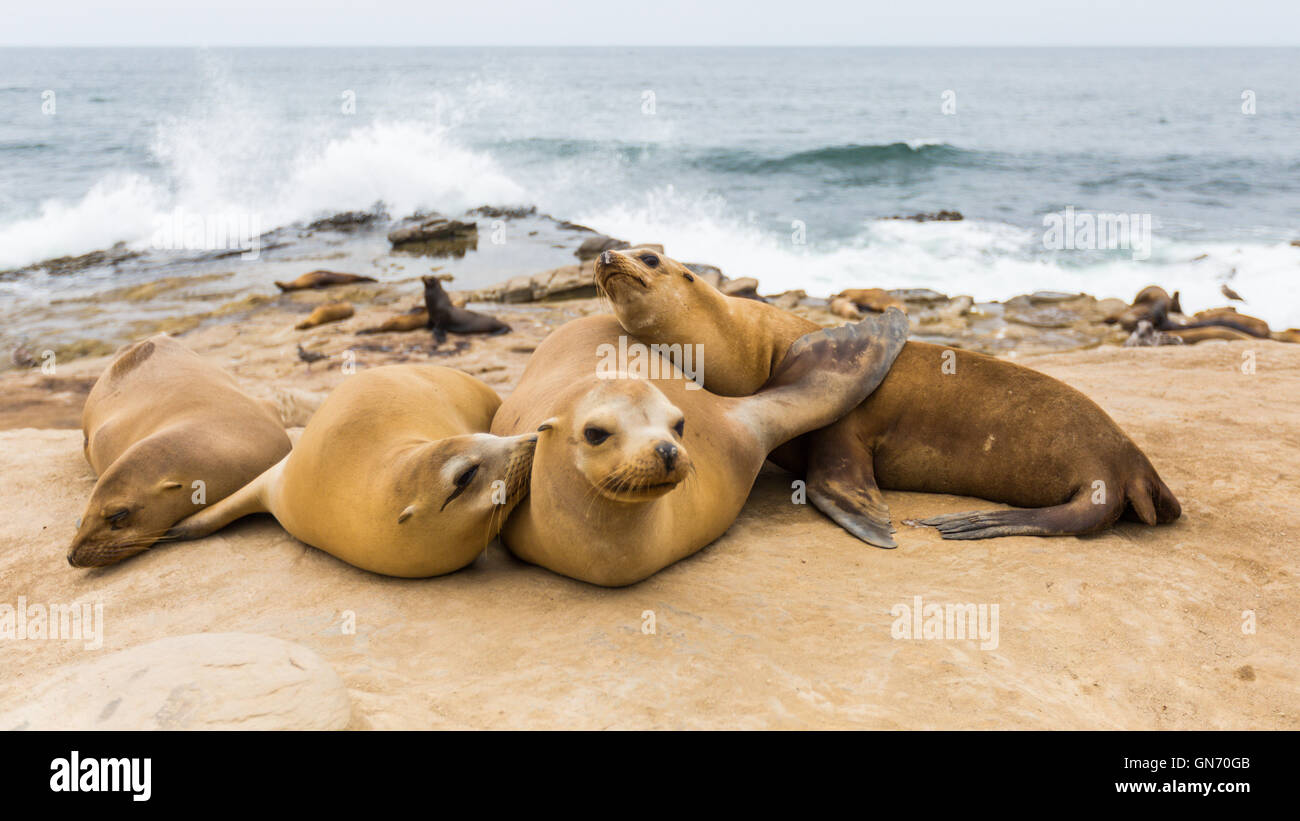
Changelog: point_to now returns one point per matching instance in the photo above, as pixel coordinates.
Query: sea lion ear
(548, 424)
(405, 514)
(170, 485)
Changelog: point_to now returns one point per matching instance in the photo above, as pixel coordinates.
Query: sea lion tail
(1151, 501)
(247, 500)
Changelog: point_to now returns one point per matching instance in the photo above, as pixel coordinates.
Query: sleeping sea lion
(395, 473)
(165, 431)
(321, 279)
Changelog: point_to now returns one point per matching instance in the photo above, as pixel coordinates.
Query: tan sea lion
(331, 312)
(942, 421)
(413, 321)
(321, 279)
(845, 308)
(395, 473)
(1193, 334)
(873, 299)
(638, 471)
(1289, 335)
(160, 420)
(445, 316)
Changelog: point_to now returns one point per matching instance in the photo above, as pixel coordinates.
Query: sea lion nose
(668, 453)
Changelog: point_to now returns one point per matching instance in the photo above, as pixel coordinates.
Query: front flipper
(842, 485)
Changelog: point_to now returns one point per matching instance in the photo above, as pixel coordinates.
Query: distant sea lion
(444, 316)
(321, 279)
(1289, 335)
(942, 421)
(159, 420)
(1164, 312)
(395, 474)
(332, 312)
(636, 473)
(873, 299)
(1192, 334)
(413, 321)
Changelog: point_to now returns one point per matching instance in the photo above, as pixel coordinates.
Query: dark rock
(592, 247)
(349, 220)
(938, 216)
(498, 212)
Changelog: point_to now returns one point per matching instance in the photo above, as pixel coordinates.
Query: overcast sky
(651, 22)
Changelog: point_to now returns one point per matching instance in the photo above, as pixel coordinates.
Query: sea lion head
(462, 488)
(627, 440)
(133, 504)
(650, 291)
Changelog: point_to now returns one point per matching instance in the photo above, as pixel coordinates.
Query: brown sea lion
(636, 471)
(1229, 318)
(167, 433)
(1289, 335)
(321, 279)
(1153, 304)
(331, 312)
(445, 317)
(942, 421)
(395, 474)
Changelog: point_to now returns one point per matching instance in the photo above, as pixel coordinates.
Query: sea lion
(1289, 335)
(395, 474)
(331, 312)
(1153, 304)
(1192, 334)
(873, 299)
(321, 279)
(845, 308)
(1229, 318)
(634, 472)
(413, 321)
(160, 420)
(942, 421)
(444, 316)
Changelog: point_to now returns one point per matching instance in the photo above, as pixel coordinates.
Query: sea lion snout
(667, 452)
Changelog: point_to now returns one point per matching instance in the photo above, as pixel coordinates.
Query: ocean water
(773, 163)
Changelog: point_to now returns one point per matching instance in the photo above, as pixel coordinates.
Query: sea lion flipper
(851, 499)
(839, 366)
(1079, 515)
(842, 484)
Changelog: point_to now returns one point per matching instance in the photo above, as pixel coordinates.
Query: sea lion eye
(650, 259)
(595, 435)
(680, 427)
(466, 476)
(115, 519)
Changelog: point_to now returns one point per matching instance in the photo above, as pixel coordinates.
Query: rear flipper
(247, 500)
(842, 485)
(1079, 515)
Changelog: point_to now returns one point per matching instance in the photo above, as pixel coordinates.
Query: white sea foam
(987, 260)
